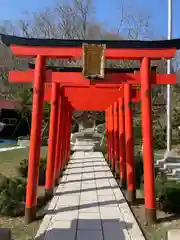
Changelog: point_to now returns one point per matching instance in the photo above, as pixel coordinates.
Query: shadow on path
(86, 179)
(85, 190)
(85, 166)
(88, 229)
(79, 207)
(83, 206)
(78, 159)
(77, 173)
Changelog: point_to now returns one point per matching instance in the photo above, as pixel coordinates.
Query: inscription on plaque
(93, 61)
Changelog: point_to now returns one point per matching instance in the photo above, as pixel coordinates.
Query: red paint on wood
(36, 125)
(122, 153)
(58, 140)
(129, 146)
(115, 133)
(76, 78)
(74, 52)
(52, 138)
(147, 130)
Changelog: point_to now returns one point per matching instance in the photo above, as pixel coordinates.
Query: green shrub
(103, 147)
(42, 171)
(2, 180)
(12, 196)
(137, 134)
(160, 180)
(159, 134)
(168, 194)
(44, 141)
(74, 128)
(23, 170)
(43, 162)
(138, 169)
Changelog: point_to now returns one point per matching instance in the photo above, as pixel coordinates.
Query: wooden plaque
(93, 61)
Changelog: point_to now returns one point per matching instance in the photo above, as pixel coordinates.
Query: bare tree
(73, 19)
(132, 23)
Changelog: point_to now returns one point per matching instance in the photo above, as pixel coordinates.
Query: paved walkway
(88, 205)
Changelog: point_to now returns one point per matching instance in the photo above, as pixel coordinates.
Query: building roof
(159, 44)
(9, 104)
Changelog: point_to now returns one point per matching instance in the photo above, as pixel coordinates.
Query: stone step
(176, 172)
(167, 172)
(173, 178)
(170, 166)
(173, 234)
(161, 162)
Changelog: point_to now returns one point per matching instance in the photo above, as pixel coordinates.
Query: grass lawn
(9, 161)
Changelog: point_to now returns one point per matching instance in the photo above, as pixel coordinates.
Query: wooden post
(69, 133)
(111, 137)
(64, 134)
(130, 165)
(49, 186)
(67, 130)
(58, 142)
(61, 162)
(122, 153)
(116, 135)
(35, 140)
(107, 134)
(148, 155)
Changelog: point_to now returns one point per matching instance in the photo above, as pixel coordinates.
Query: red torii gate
(105, 99)
(144, 51)
(75, 94)
(89, 95)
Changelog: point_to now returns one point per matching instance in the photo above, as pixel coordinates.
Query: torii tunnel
(66, 89)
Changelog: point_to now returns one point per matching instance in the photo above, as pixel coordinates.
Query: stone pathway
(10, 148)
(88, 205)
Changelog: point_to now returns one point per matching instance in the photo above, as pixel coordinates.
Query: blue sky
(157, 9)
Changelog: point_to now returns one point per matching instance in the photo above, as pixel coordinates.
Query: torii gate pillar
(59, 149)
(68, 132)
(35, 141)
(149, 185)
(58, 140)
(122, 152)
(61, 162)
(129, 146)
(115, 134)
(111, 125)
(49, 186)
(107, 134)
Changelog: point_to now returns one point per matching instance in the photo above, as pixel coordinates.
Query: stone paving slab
(88, 204)
(173, 234)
